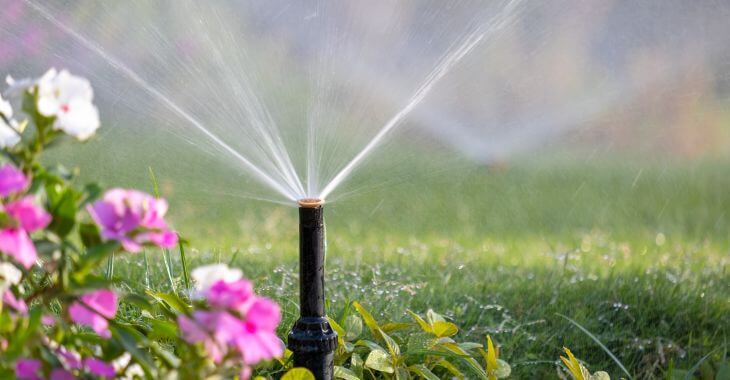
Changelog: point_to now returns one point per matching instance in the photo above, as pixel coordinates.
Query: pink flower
(133, 218)
(238, 320)
(194, 333)
(12, 180)
(27, 369)
(29, 216)
(70, 359)
(16, 304)
(16, 243)
(99, 368)
(94, 309)
(230, 295)
(259, 341)
(61, 374)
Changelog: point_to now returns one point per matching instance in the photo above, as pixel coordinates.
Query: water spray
(312, 339)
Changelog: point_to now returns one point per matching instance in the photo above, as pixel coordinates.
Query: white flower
(9, 275)
(69, 99)
(8, 127)
(133, 371)
(205, 276)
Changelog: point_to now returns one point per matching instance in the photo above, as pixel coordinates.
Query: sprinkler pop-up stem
(312, 339)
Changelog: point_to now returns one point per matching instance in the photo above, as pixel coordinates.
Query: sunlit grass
(637, 256)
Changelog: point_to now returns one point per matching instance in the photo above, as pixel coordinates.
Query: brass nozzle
(310, 202)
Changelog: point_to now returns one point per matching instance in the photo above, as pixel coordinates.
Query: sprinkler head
(310, 202)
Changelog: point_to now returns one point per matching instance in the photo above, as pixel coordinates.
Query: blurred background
(560, 102)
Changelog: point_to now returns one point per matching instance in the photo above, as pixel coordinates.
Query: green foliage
(421, 348)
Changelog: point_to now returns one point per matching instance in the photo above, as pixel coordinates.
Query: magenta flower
(236, 295)
(29, 216)
(99, 368)
(133, 218)
(16, 243)
(94, 310)
(12, 180)
(61, 374)
(27, 369)
(238, 321)
(259, 341)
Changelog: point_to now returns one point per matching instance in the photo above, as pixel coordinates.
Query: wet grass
(637, 255)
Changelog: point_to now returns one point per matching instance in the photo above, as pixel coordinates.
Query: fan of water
(283, 100)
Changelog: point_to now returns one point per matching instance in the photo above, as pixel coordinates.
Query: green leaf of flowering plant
(422, 371)
(62, 205)
(379, 360)
(92, 258)
(368, 319)
(344, 373)
(298, 374)
(171, 300)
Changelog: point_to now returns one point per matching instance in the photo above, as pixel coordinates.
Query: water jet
(312, 339)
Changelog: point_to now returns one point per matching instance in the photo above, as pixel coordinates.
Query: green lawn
(637, 255)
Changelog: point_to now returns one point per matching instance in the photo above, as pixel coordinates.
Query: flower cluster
(133, 218)
(94, 309)
(20, 217)
(68, 98)
(238, 323)
(31, 369)
(65, 100)
(57, 310)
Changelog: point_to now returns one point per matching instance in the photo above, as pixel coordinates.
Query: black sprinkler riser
(312, 339)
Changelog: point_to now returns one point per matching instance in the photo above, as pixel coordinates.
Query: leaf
(172, 300)
(162, 329)
(466, 358)
(339, 330)
(298, 374)
(91, 192)
(425, 326)
(573, 365)
(491, 359)
(357, 364)
(393, 347)
(423, 371)
(601, 375)
(368, 318)
(93, 257)
(421, 340)
(466, 346)
(344, 373)
(130, 340)
(62, 202)
(450, 367)
(89, 233)
(379, 360)
(369, 344)
(353, 327)
(504, 369)
(167, 356)
(395, 326)
(442, 329)
(433, 317)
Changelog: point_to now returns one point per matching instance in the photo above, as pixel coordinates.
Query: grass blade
(166, 257)
(595, 339)
(184, 263)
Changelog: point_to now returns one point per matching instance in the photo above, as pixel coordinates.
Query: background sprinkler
(312, 339)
